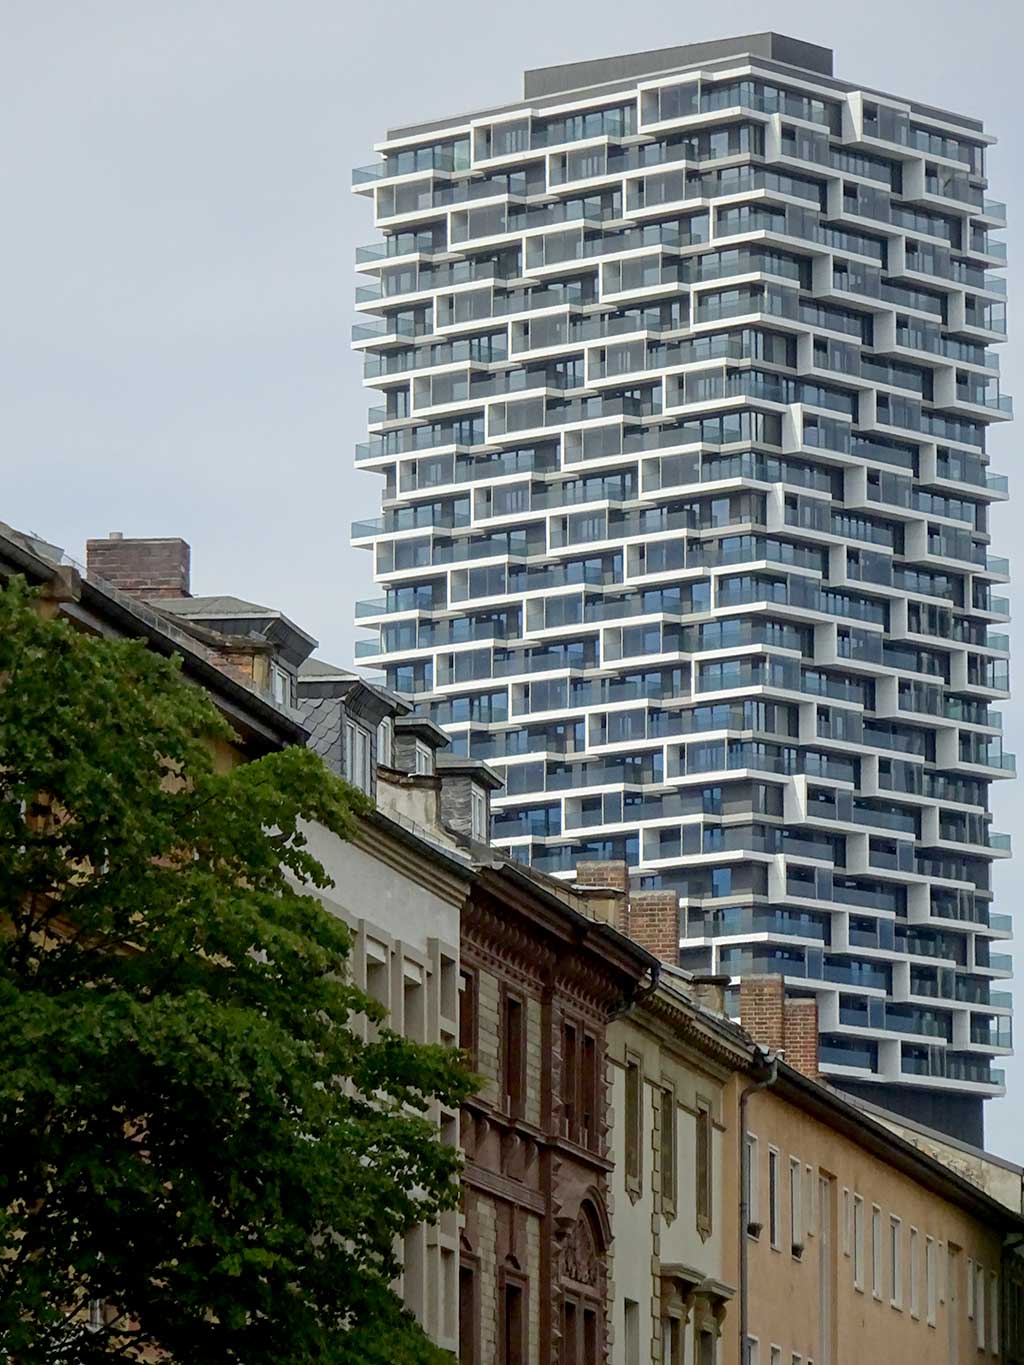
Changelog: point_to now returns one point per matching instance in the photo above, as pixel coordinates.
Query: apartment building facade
(687, 374)
(400, 882)
(852, 1244)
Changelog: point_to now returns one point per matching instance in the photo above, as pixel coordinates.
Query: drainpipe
(769, 1063)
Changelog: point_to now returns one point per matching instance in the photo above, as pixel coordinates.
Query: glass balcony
(371, 607)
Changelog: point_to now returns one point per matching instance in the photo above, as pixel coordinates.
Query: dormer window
(478, 815)
(357, 756)
(386, 742)
(280, 685)
(424, 759)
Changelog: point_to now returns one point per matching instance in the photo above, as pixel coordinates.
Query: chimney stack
(144, 567)
(654, 923)
(709, 991)
(786, 1026)
(605, 886)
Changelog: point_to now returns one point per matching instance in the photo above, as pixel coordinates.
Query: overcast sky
(177, 239)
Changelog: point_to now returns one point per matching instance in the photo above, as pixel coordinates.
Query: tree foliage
(192, 1130)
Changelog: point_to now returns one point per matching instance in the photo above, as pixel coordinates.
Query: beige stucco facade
(852, 1258)
(669, 1287)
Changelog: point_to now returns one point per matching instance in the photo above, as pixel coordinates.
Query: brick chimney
(800, 1035)
(761, 1009)
(604, 886)
(654, 923)
(786, 1026)
(142, 567)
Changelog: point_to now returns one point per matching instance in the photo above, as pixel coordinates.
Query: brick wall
(761, 1009)
(654, 923)
(800, 1035)
(144, 567)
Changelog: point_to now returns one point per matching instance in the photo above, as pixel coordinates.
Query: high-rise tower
(687, 376)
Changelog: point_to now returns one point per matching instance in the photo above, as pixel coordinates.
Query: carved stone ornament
(581, 1260)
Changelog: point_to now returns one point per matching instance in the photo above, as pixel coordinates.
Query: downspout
(766, 1059)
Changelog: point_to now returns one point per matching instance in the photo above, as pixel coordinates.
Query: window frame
(704, 1166)
(633, 1122)
(513, 1280)
(751, 1172)
(478, 814)
(774, 1200)
(896, 1262)
(469, 1012)
(876, 1251)
(513, 1059)
(858, 1243)
(980, 1305)
(669, 1148)
(796, 1210)
(931, 1278)
(914, 1271)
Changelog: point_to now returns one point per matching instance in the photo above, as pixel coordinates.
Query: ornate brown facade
(539, 982)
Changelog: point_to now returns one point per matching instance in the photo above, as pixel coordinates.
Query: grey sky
(177, 240)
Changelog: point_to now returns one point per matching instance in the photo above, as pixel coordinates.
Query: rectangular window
(386, 742)
(876, 1251)
(632, 1331)
(703, 1166)
(774, 1207)
(424, 758)
(570, 1080)
(633, 1120)
(513, 1324)
(810, 1212)
(469, 1322)
(570, 1332)
(896, 1263)
(752, 1356)
(979, 1306)
(931, 1281)
(281, 685)
(847, 1231)
(361, 777)
(970, 1289)
(668, 1147)
(993, 1314)
(915, 1275)
(776, 1355)
(750, 1189)
(796, 1229)
(478, 815)
(515, 1054)
(590, 1092)
(468, 1014)
(858, 1243)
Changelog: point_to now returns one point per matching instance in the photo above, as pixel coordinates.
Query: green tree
(191, 1129)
